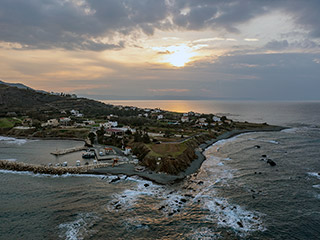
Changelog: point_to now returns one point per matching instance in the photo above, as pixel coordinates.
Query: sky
(163, 49)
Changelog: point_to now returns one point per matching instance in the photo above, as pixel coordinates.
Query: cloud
(251, 39)
(92, 25)
(285, 44)
(277, 45)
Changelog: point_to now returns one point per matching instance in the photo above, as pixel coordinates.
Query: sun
(177, 56)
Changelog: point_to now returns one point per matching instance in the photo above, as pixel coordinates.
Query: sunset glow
(95, 48)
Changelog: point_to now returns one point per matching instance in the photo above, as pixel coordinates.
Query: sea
(235, 194)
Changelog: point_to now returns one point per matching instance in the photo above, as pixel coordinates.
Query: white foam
(233, 216)
(203, 233)
(11, 140)
(79, 228)
(316, 186)
(50, 175)
(9, 159)
(128, 198)
(314, 174)
(134, 223)
(290, 130)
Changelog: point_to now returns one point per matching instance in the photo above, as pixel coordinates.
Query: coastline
(129, 168)
(163, 178)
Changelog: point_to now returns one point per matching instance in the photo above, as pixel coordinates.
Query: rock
(162, 207)
(259, 172)
(257, 146)
(146, 185)
(118, 206)
(253, 197)
(240, 224)
(183, 200)
(115, 180)
(200, 182)
(188, 195)
(255, 172)
(272, 163)
(170, 214)
(264, 155)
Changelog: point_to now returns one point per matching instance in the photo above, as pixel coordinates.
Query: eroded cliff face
(170, 162)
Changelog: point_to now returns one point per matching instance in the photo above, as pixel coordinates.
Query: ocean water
(235, 194)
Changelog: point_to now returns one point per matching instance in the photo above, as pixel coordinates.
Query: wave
(314, 174)
(233, 216)
(79, 228)
(203, 233)
(52, 176)
(12, 140)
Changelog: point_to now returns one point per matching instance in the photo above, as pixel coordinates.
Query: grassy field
(165, 150)
(8, 122)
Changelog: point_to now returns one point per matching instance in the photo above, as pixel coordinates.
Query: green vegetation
(8, 122)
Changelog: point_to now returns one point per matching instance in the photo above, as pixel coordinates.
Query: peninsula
(159, 145)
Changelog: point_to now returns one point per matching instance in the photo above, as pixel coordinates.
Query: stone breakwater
(19, 166)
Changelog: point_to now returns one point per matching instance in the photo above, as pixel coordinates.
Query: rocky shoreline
(129, 169)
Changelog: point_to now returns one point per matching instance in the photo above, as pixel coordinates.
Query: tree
(92, 137)
(145, 138)
(100, 134)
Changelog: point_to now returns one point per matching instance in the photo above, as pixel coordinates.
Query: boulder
(271, 163)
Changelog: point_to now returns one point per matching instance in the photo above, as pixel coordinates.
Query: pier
(68, 150)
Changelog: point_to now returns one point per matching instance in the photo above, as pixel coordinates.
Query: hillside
(23, 101)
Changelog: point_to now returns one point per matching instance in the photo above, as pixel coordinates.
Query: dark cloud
(284, 44)
(80, 24)
(277, 45)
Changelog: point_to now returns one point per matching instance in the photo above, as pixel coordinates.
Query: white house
(64, 120)
(127, 150)
(160, 117)
(51, 122)
(185, 119)
(216, 119)
(202, 120)
(109, 124)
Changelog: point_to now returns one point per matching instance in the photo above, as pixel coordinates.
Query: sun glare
(177, 56)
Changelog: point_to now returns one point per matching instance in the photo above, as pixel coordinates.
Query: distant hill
(17, 85)
(24, 100)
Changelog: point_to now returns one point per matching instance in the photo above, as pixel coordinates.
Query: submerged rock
(240, 224)
(272, 163)
(115, 180)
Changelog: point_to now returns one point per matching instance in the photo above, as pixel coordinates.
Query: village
(114, 139)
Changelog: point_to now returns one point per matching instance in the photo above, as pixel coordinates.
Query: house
(184, 119)
(160, 117)
(191, 113)
(216, 119)
(27, 122)
(64, 121)
(202, 120)
(109, 124)
(89, 122)
(185, 114)
(51, 122)
(127, 150)
(76, 113)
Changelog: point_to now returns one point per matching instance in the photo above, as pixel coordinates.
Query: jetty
(68, 150)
